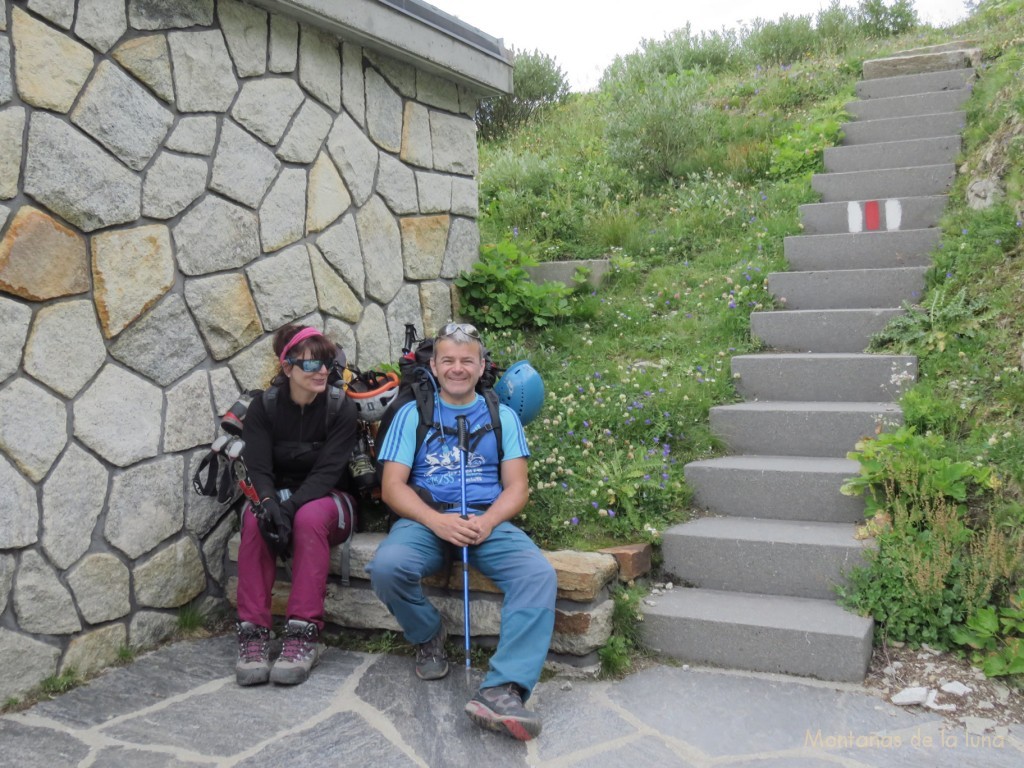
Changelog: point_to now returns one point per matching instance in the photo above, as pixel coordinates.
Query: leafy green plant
(876, 19)
(190, 619)
(125, 654)
(995, 637)
(384, 642)
(62, 683)
(498, 292)
(537, 81)
(943, 319)
(625, 642)
(801, 152)
(785, 41)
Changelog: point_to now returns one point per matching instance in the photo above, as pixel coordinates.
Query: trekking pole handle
(463, 436)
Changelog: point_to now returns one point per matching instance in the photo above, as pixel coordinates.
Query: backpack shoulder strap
(491, 398)
(270, 395)
(335, 397)
(424, 394)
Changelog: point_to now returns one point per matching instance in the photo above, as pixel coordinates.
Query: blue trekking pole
(463, 449)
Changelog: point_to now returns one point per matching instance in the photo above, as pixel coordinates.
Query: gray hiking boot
(431, 660)
(253, 665)
(299, 653)
(501, 709)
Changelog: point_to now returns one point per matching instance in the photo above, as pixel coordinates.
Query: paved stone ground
(179, 706)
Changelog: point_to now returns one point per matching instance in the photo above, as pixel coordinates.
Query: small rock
(686, 667)
(1002, 692)
(985, 705)
(910, 696)
(567, 686)
(897, 665)
(655, 591)
(657, 585)
(932, 703)
(889, 671)
(978, 725)
(669, 585)
(956, 688)
(932, 651)
(650, 602)
(897, 644)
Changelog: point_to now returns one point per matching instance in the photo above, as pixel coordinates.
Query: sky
(585, 36)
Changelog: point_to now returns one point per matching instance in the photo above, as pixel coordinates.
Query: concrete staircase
(755, 578)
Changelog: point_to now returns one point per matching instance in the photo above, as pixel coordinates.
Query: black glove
(276, 527)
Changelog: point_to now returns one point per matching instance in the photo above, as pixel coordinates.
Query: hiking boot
(299, 653)
(431, 660)
(501, 709)
(253, 665)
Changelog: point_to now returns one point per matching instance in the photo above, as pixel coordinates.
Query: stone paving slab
(179, 706)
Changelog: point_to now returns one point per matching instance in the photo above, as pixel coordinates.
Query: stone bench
(583, 612)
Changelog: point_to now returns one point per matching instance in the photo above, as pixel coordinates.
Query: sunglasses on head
(464, 328)
(310, 366)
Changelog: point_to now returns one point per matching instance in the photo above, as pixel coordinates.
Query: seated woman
(297, 449)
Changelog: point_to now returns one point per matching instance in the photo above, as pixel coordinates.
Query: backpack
(417, 383)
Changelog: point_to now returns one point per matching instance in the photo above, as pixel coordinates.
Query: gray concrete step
(879, 184)
(903, 128)
(848, 288)
(776, 487)
(904, 85)
(863, 250)
(769, 557)
(918, 61)
(840, 377)
(820, 330)
(892, 154)
(886, 215)
(787, 428)
(763, 633)
(904, 106)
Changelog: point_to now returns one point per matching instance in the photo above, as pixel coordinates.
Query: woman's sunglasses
(309, 366)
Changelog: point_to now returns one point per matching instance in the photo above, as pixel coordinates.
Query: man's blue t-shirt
(435, 466)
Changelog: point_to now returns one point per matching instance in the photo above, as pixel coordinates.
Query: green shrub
(996, 638)
(498, 292)
(836, 28)
(678, 52)
(775, 43)
(801, 152)
(537, 82)
(876, 19)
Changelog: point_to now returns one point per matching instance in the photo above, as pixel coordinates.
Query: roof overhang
(414, 32)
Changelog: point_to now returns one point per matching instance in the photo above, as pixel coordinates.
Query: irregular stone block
(225, 391)
(118, 416)
(383, 113)
(372, 338)
(435, 192)
(307, 133)
(340, 245)
(33, 427)
(326, 194)
(41, 603)
(194, 135)
(243, 168)
(60, 12)
(333, 294)
(437, 91)
(159, 14)
(424, 239)
(342, 334)
(266, 106)
(453, 141)
(215, 546)
(400, 74)
(245, 29)
(463, 248)
(436, 304)
(355, 156)
(19, 510)
(284, 43)
(204, 80)
(216, 235)
(581, 632)
(282, 286)
(172, 184)
(36, 662)
(634, 560)
(70, 175)
(135, 129)
(14, 323)
(93, 651)
(132, 269)
(225, 311)
(396, 183)
(6, 579)
(582, 575)
(73, 498)
(320, 66)
(403, 309)
(146, 506)
(150, 628)
(201, 512)
(101, 23)
(189, 420)
(171, 577)
(42, 259)
(12, 127)
(282, 215)
(164, 344)
(254, 367)
(101, 586)
(6, 85)
(4, 213)
(465, 197)
(149, 59)
(416, 142)
(381, 242)
(353, 94)
(49, 68)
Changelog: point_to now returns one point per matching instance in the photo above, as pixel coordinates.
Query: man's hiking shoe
(253, 665)
(299, 653)
(501, 709)
(431, 660)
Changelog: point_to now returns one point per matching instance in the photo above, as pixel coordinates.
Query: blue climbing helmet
(522, 389)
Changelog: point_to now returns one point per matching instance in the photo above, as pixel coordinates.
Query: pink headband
(302, 335)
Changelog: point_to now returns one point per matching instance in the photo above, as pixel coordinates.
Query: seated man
(496, 491)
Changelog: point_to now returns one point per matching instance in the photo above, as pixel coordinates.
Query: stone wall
(178, 179)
